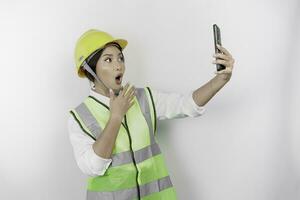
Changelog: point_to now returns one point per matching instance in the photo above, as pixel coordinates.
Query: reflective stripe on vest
(145, 190)
(139, 155)
(145, 106)
(89, 120)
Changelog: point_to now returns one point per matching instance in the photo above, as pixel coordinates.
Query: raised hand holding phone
(223, 59)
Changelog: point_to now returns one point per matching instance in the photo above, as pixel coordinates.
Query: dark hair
(92, 61)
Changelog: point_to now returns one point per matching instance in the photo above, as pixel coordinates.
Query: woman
(113, 130)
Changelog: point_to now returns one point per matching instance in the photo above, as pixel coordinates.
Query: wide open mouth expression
(111, 67)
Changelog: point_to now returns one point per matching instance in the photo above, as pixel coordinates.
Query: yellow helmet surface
(89, 42)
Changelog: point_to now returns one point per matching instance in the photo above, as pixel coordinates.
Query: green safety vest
(138, 169)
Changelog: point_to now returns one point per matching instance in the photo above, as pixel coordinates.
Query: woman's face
(111, 67)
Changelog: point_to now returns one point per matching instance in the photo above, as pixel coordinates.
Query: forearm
(203, 94)
(104, 144)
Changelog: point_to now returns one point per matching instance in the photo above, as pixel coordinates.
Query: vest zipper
(130, 142)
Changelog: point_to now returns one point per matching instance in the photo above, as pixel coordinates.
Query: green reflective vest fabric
(138, 169)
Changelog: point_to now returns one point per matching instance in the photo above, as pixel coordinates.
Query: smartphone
(217, 40)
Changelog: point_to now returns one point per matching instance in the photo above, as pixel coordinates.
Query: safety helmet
(91, 42)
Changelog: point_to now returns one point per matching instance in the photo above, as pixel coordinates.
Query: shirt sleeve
(171, 105)
(87, 160)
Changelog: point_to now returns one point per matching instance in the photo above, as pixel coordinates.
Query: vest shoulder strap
(147, 105)
(153, 107)
(86, 120)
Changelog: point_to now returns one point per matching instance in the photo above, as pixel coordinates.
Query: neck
(101, 90)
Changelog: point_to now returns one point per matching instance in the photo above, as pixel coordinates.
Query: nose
(118, 67)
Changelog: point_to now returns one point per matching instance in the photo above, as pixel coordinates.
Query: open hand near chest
(120, 104)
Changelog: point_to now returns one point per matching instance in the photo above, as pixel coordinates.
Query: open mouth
(119, 79)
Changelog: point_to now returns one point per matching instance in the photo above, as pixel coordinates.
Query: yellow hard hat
(91, 41)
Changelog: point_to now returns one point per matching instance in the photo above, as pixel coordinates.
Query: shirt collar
(100, 97)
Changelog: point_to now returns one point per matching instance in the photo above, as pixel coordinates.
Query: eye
(107, 59)
(122, 58)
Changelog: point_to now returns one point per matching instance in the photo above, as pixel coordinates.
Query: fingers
(224, 50)
(227, 63)
(130, 92)
(220, 61)
(223, 72)
(124, 89)
(130, 98)
(222, 56)
(131, 104)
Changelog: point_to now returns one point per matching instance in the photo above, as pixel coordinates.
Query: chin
(116, 87)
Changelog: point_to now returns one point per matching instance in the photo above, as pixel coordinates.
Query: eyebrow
(111, 54)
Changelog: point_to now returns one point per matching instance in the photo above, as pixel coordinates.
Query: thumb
(111, 94)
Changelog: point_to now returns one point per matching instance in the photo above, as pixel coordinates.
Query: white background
(244, 147)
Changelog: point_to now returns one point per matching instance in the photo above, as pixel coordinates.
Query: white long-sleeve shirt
(168, 105)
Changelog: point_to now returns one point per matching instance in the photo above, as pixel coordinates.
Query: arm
(119, 105)
(203, 94)
(104, 144)
(87, 160)
(173, 105)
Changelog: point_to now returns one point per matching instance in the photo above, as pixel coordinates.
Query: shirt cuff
(98, 164)
(199, 110)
